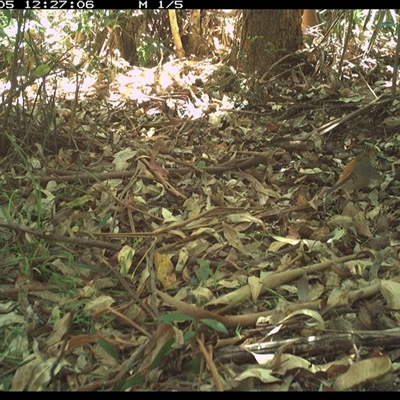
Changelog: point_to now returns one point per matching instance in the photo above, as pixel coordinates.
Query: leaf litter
(183, 242)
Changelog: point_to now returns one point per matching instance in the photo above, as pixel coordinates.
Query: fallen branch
(274, 280)
(271, 281)
(61, 176)
(59, 238)
(339, 121)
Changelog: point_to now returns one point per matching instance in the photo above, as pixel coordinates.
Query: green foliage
(204, 271)
(35, 185)
(136, 380)
(151, 50)
(5, 383)
(102, 222)
(166, 349)
(200, 165)
(5, 22)
(13, 343)
(276, 296)
(108, 348)
(215, 325)
(174, 317)
(196, 364)
(41, 70)
(177, 317)
(365, 23)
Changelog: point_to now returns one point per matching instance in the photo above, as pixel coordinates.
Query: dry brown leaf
(163, 333)
(255, 285)
(233, 238)
(154, 166)
(164, 269)
(363, 371)
(339, 297)
(391, 292)
(361, 225)
(60, 328)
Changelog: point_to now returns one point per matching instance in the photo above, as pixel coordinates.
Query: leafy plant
(177, 317)
(151, 50)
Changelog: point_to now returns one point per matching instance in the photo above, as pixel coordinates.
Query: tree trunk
(175, 33)
(265, 37)
(309, 21)
(194, 40)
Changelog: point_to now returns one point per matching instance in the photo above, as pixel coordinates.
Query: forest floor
(175, 233)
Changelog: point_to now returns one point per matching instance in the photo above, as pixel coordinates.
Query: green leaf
(200, 165)
(174, 317)
(188, 335)
(216, 325)
(80, 201)
(102, 221)
(386, 24)
(164, 351)
(204, 272)
(41, 70)
(108, 348)
(134, 381)
(196, 364)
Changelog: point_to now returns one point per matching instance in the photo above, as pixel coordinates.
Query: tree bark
(194, 41)
(266, 36)
(175, 33)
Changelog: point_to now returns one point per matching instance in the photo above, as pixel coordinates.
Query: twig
(59, 238)
(270, 282)
(211, 364)
(340, 121)
(153, 285)
(111, 382)
(123, 282)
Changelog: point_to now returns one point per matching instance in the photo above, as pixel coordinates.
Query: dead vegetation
(175, 232)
